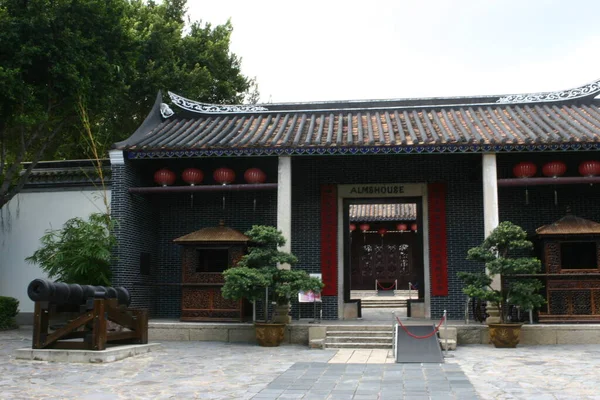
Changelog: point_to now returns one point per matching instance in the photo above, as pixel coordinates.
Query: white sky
(340, 50)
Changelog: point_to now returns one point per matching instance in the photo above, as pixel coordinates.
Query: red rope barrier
(437, 328)
(389, 288)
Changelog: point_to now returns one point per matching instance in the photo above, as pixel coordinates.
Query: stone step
(358, 346)
(451, 331)
(451, 344)
(384, 305)
(389, 333)
(358, 339)
(387, 328)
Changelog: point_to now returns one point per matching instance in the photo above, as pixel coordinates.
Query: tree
(498, 253)
(80, 252)
(109, 57)
(258, 270)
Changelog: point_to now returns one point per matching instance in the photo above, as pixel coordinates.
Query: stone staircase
(373, 337)
(359, 337)
(384, 302)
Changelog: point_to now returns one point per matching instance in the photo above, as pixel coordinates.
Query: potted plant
(499, 252)
(257, 276)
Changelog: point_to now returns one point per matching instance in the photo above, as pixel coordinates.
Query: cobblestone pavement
(563, 372)
(214, 370)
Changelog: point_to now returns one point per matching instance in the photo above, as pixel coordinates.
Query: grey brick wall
(150, 223)
(461, 173)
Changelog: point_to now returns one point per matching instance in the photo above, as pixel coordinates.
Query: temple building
(367, 193)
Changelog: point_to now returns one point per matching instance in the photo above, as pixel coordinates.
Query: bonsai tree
(258, 270)
(499, 253)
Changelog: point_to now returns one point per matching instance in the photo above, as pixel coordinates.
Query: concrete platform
(111, 354)
(298, 331)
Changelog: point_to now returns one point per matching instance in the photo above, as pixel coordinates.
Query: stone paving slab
(217, 370)
(331, 381)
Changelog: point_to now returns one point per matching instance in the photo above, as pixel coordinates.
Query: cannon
(63, 293)
(87, 309)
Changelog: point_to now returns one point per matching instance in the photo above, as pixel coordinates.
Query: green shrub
(80, 252)
(9, 308)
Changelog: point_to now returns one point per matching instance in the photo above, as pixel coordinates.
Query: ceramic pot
(269, 335)
(505, 335)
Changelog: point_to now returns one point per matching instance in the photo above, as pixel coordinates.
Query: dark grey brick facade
(150, 223)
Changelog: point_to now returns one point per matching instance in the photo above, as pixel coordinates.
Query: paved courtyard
(211, 370)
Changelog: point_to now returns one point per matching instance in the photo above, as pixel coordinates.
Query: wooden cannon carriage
(87, 309)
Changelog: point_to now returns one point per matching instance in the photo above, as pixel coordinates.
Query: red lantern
(255, 175)
(164, 177)
(413, 227)
(402, 227)
(224, 176)
(524, 170)
(554, 169)
(365, 227)
(589, 168)
(352, 227)
(193, 176)
(382, 231)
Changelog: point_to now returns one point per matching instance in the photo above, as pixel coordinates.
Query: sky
(346, 50)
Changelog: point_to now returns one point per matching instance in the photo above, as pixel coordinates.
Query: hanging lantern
(554, 169)
(255, 175)
(193, 176)
(524, 169)
(413, 227)
(382, 231)
(365, 227)
(352, 227)
(224, 176)
(164, 177)
(589, 168)
(402, 227)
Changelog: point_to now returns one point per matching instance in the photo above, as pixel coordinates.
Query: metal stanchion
(445, 335)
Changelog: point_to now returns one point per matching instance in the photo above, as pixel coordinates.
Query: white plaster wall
(23, 222)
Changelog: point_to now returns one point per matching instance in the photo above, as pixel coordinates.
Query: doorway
(383, 254)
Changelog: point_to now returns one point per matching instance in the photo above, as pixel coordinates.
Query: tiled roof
(570, 225)
(216, 234)
(542, 119)
(67, 173)
(383, 212)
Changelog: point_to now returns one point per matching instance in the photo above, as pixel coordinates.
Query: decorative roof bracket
(205, 108)
(589, 90)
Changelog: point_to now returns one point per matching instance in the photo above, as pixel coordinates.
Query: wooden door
(393, 257)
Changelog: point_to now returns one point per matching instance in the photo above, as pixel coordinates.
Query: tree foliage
(258, 270)
(112, 56)
(498, 253)
(80, 252)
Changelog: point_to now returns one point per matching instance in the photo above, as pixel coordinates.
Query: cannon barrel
(64, 293)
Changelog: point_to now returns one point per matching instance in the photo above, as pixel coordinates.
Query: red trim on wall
(438, 253)
(329, 266)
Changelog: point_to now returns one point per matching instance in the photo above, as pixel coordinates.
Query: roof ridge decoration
(206, 108)
(582, 91)
(165, 111)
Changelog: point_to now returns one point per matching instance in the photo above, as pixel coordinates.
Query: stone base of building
(298, 333)
(111, 354)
